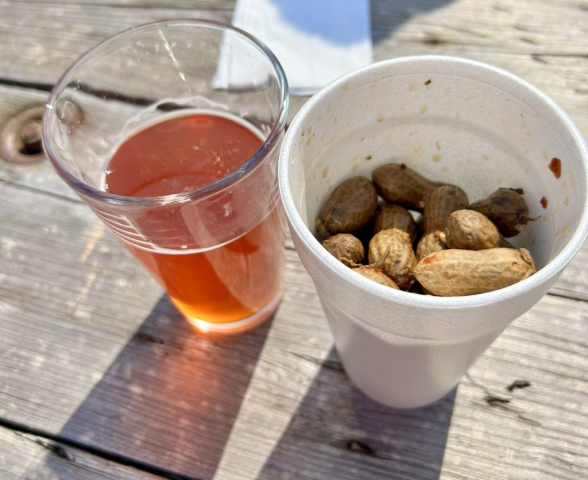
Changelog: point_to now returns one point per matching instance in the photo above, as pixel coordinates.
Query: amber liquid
(218, 285)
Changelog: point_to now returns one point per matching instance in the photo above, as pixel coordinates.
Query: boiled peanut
(397, 183)
(346, 248)
(395, 216)
(392, 249)
(469, 230)
(453, 273)
(429, 243)
(350, 207)
(441, 203)
(376, 275)
(506, 208)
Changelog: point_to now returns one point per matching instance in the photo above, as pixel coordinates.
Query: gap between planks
(56, 444)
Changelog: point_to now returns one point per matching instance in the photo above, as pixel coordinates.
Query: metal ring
(12, 144)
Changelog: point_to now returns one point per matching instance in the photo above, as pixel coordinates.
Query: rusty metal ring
(20, 139)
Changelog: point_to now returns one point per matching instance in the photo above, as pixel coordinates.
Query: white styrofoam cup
(453, 120)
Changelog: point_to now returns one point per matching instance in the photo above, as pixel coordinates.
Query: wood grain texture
(32, 52)
(211, 5)
(91, 351)
(32, 457)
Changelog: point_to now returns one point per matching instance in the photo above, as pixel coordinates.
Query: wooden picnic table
(100, 377)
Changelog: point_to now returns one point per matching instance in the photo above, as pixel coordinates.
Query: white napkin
(316, 41)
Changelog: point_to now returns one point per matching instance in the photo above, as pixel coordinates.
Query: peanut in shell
(441, 203)
(453, 273)
(350, 207)
(397, 183)
(470, 230)
(392, 251)
(376, 275)
(346, 248)
(395, 216)
(506, 208)
(429, 243)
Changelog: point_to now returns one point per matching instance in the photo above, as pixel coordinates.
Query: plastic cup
(452, 120)
(218, 250)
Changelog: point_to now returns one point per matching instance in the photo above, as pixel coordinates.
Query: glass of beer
(171, 132)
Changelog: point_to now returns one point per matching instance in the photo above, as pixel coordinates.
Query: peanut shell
(441, 203)
(470, 230)
(397, 183)
(346, 248)
(506, 208)
(376, 275)
(350, 207)
(452, 273)
(395, 216)
(429, 243)
(392, 251)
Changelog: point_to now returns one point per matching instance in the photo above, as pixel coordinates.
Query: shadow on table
(389, 15)
(170, 398)
(310, 16)
(343, 434)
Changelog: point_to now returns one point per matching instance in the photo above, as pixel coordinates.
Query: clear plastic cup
(218, 250)
(452, 120)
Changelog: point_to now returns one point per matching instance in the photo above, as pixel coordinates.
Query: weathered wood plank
(90, 352)
(561, 75)
(573, 282)
(26, 456)
(532, 435)
(146, 4)
(41, 42)
(88, 349)
(510, 26)
(211, 376)
(32, 52)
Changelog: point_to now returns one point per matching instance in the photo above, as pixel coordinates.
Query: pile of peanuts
(462, 248)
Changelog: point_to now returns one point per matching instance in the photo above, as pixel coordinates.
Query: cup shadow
(338, 432)
(170, 398)
(386, 16)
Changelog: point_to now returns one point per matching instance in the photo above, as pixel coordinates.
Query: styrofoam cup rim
(553, 268)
